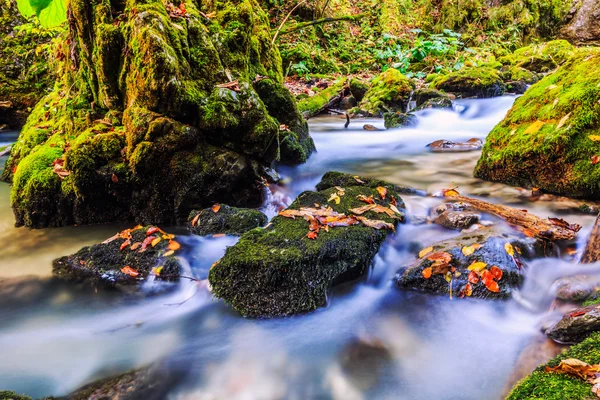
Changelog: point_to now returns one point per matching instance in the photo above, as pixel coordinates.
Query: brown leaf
(357, 179)
(147, 242)
(368, 200)
(564, 224)
(440, 257)
(135, 246)
(496, 273)
(125, 244)
(595, 159)
(377, 224)
(114, 178)
(312, 235)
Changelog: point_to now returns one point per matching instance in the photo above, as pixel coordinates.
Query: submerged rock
(485, 264)
(576, 325)
(399, 119)
(289, 266)
(481, 82)
(225, 219)
(447, 146)
(189, 136)
(124, 261)
(550, 137)
(390, 92)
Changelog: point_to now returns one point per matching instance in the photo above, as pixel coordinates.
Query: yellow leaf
(476, 246)
(424, 252)
(156, 241)
(594, 138)
(468, 250)
(450, 193)
(563, 121)
(156, 271)
(509, 249)
(534, 128)
(169, 253)
(334, 197)
(477, 266)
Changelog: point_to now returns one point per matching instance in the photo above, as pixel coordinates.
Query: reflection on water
(372, 341)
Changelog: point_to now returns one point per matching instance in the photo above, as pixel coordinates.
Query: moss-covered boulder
(123, 261)
(399, 119)
(389, 92)
(25, 72)
(225, 219)
(430, 98)
(485, 264)
(550, 138)
(537, 58)
(551, 386)
(328, 97)
(288, 267)
(157, 110)
(480, 82)
(576, 325)
(358, 88)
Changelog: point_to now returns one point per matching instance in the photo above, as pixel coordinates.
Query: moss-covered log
(157, 110)
(280, 270)
(550, 138)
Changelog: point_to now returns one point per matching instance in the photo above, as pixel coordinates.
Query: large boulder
(583, 26)
(481, 82)
(389, 92)
(157, 110)
(485, 264)
(550, 139)
(323, 239)
(223, 219)
(124, 261)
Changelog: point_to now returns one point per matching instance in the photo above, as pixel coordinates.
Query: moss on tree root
(155, 114)
(279, 271)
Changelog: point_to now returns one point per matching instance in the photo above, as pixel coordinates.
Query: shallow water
(55, 338)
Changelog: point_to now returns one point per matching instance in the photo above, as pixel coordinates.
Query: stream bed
(372, 341)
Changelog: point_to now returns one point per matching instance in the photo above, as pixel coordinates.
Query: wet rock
(280, 270)
(369, 127)
(363, 360)
(347, 103)
(150, 383)
(576, 325)
(399, 120)
(481, 82)
(105, 265)
(575, 288)
(426, 98)
(457, 219)
(438, 102)
(226, 219)
(390, 92)
(358, 88)
(486, 246)
(516, 87)
(583, 27)
(516, 150)
(443, 146)
(334, 178)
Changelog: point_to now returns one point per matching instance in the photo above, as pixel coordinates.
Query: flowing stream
(373, 341)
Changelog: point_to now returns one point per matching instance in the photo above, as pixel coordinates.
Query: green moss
(540, 58)
(389, 92)
(531, 147)
(278, 270)
(228, 220)
(550, 386)
(9, 395)
(471, 82)
(358, 88)
(314, 104)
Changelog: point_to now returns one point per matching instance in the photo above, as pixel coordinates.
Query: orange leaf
(486, 275)
(394, 202)
(125, 244)
(152, 230)
(173, 245)
(450, 193)
(440, 257)
(169, 253)
(368, 200)
(215, 208)
(127, 270)
(195, 220)
(467, 290)
(135, 246)
(492, 286)
(427, 273)
(382, 192)
(595, 160)
(312, 235)
(473, 277)
(496, 273)
(147, 242)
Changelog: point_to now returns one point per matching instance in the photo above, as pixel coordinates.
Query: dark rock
(492, 252)
(101, 265)
(334, 178)
(438, 102)
(443, 146)
(457, 219)
(575, 288)
(348, 102)
(369, 127)
(398, 120)
(576, 325)
(479, 82)
(358, 88)
(517, 87)
(227, 220)
(430, 98)
(279, 271)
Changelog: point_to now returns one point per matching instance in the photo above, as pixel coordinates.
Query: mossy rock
(226, 219)
(576, 325)
(358, 88)
(552, 386)
(279, 271)
(390, 92)
(551, 135)
(9, 395)
(313, 105)
(540, 58)
(154, 115)
(399, 120)
(480, 82)
(101, 265)
(492, 253)
(423, 95)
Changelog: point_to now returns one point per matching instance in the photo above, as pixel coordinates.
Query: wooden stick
(591, 254)
(549, 229)
(327, 20)
(284, 21)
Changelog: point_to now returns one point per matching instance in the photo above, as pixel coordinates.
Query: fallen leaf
(125, 244)
(594, 138)
(173, 245)
(509, 249)
(169, 253)
(564, 224)
(450, 193)
(147, 243)
(382, 192)
(393, 201)
(492, 286)
(357, 179)
(468, 250)
(135, 246)
(215, 208)
(426, 251)
(114, 178)
(563, 121)
(377, 224)
(468, 290)
(477, 266)
(152, 231)
(195, 220)
(156, 271)
(595, 159)
(127, 270)
(427, 272)
(440, 257)
(496, 273)
(368, 200)
(334, 197)
(340, 191)
(156, 241)
(473, 277)
(395, 209)
(312, 235)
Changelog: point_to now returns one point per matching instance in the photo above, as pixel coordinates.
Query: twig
(284, 21)
(350, 18)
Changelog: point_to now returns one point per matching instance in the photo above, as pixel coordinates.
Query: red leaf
(492, 286)
(125, 244)
(147, 242)
(473, 277)
(152, 230)
(595, 160)
(496, 273)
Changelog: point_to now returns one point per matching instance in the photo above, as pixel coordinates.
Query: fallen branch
(591, 254)
(533, 226)
(351, 18)
(333, 103)
(284, 21)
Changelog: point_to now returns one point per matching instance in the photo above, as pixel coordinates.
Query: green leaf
(25, 8)
(51, 13)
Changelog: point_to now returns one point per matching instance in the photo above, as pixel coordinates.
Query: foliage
(51, 13)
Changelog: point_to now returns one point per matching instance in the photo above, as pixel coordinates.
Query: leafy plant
(299, 69)
(51, 13)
